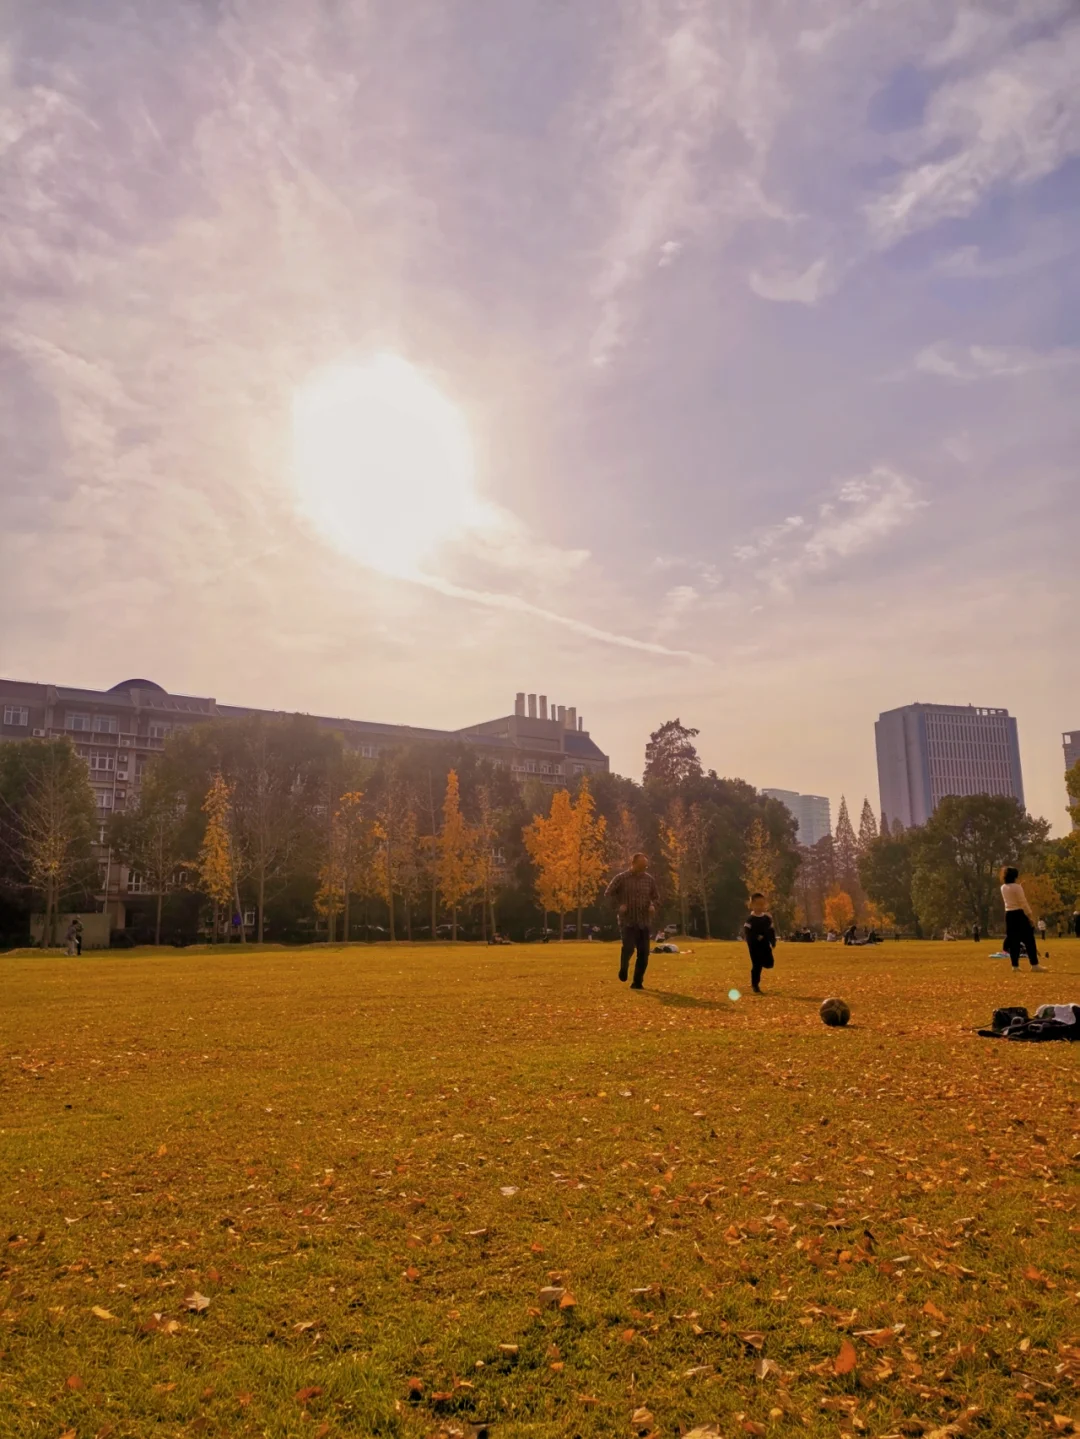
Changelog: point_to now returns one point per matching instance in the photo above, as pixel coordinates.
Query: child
(760, 936)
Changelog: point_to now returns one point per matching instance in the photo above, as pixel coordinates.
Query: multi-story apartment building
(925, 752)
(118, 731)
(1070, 743)
(812, 813)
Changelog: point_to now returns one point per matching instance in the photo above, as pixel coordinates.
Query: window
(136, 883)
(369, 751)
(104, 799)
(102, 760)
(159, 729)
(105, 724)
(140, 767)
(75, 721)
(16, 714)
(249, 917)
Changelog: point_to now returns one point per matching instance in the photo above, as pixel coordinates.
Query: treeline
(271, 829)
(276, 822)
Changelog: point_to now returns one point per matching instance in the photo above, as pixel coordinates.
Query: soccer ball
(835, 1013)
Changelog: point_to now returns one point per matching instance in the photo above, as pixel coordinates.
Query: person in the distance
(1019, 921)
(636, 896)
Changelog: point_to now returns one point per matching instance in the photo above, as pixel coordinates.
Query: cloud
(1013, 123)
(984, 362)
(682, 140)
(804, 288)
(857, 516)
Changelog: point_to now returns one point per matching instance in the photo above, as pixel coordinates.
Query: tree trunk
(453, 924)
(683, 916)
(157, 918)
(494, 926)
(579, 914)
(562, 927)
(346, 916)
(262, 904)
(408, 921)
(484, 916)
(239, 907)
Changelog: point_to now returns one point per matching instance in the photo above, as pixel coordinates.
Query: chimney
(532, 706)
(543, 706)
(571, 717)
(519, 703)
(581, 723)
(562, 716)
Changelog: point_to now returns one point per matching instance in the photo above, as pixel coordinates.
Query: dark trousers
(1020, 930)
(760, 958)
(635, 937)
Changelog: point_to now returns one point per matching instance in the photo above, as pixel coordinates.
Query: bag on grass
(1003, 1018)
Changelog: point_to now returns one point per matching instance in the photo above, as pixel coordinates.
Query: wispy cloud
(805, 287)
(855, 517)
(1012, 123)
(990, 362)
(688, 80)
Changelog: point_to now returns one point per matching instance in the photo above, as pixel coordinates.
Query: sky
(751, 329)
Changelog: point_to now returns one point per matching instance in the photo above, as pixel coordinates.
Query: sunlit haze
(702, 358)
(384, 465)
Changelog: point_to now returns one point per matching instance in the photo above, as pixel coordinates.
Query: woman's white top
(1014, 896)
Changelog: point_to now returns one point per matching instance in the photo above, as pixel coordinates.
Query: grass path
(374, 1162)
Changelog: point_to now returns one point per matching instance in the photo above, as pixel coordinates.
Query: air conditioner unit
(39, 734)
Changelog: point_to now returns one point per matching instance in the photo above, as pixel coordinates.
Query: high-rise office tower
(925, 752)
(811, 811)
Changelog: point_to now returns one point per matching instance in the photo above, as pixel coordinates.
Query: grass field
(426, 1191)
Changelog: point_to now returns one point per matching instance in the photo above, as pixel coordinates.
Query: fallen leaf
(100, 1313)
(846, 1360)
(164, 1388)
(243, 1400)
(508, 1191)
(933, 1311)
(754, 1339)
(312, 1391)
(153, 1258)
(642, 1419)
(304, 1326)
(752, 1426)
(764, 1367)
(567, 1300)
(412, 1274)
(323, 1430)
(416, 1388)
(213, 1276)
(196, 1302)
(69, 1434)
(697, 1371)
(588, 1400)
(628, 1336)
(162, 1150)
(510, 1349)
(1063, 1424)
(73, 1382)
(877, 1338)
(705, 1431)
(557, 1366)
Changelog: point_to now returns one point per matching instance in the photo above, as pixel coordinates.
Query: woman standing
(1019, 926)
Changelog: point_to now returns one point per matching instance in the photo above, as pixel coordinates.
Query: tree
(760, 863)
(670, 756)
(1042, 894)
(886, 872)
(586, 851)
(490, 869)
(411, 862)
(676, 846)
(351, 855)
(216, 864)
(623, 840)
(549, 843)
(839, 911)
(868, 829)
(150, 838)
(387, 836)
(846, 851)
(698, 836)
(46, 824)
(959, 853)
(456, 866)
(815, 879)
(1062, 862)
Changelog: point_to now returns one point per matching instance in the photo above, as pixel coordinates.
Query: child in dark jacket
(760, 935)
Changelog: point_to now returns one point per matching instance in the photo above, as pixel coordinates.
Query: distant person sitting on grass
(1019, 929)
(760, 935)
(636, 897)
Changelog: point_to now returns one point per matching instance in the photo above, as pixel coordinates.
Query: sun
(383, 463)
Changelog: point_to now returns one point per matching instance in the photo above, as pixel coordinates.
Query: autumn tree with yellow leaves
(676, 843)
(455, 853)
(760, 863)
(586, 858)
(216, 863)
(549, 843)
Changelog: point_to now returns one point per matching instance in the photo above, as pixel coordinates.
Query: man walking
(636, 895)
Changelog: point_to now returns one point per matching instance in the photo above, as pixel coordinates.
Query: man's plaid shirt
(635, 895)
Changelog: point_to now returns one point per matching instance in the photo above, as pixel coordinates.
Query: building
(811, 811)
(1071, 745)
(118, 731)
(925, 752)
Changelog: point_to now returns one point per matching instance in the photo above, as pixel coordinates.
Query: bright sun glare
(384, 464)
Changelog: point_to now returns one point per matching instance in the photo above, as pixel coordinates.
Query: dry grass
(372, 1162)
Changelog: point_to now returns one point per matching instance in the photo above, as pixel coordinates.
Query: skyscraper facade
(811, 812)
(925, 752)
